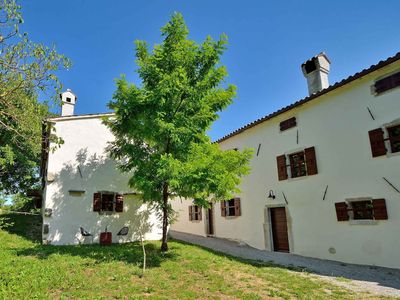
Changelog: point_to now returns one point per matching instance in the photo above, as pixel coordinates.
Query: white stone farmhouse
(324, 181)
(325, 176)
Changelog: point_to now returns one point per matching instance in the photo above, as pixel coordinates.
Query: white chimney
(68, 99)
(316, 71)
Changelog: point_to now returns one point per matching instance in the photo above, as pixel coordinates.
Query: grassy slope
(30, 270)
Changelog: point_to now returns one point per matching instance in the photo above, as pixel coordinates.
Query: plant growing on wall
(160, 125)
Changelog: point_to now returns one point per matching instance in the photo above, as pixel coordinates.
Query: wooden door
(210, 221)
(279, 229)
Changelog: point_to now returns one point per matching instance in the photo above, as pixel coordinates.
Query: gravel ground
(375, 280)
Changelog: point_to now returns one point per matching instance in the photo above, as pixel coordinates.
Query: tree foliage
(26, 69)
(160, 126)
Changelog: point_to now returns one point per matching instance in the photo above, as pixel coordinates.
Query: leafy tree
(26, 69)
(160, 126)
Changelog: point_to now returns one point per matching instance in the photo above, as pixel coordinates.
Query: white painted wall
(337, 125)
(84, 145)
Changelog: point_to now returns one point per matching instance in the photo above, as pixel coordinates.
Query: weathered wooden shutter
(341, 211)
(387, 83)
(289, 123)
(97, 202)
(282, 169)
(237, 207)
(377, 142)
(200, 210)
(119, 203)
(223, 208)
(311, 161)
(190, 213)
(379, 207)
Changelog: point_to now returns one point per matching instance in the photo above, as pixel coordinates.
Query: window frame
(229, 208)
(391, 138)
(361, 210)
(195, 213)
(299, 164)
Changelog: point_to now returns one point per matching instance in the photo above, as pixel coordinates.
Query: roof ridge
(363, 72)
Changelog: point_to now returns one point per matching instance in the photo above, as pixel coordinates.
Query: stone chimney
(68, 99)
(316, 71)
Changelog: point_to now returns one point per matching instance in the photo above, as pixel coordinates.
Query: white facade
(336, 123)
(77, 170)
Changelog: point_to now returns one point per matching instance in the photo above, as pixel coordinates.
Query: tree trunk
(164, 243)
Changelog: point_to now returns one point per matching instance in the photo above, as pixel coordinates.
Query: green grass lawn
(34, 271)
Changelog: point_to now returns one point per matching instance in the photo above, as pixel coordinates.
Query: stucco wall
(84, 146)
(337, 125)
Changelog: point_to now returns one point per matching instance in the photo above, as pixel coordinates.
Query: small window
(108, 202)
(230, 208)
(394, 138)
(362, 210)
(372, 209)
(387, 83)
(194, 213)
(68, 99)
(301, 163)
(298, 164)
(381, 142)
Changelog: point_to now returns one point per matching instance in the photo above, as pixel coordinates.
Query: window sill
(107, 213)
(231, 217)
(392, 154)
(195, 221)
(297, 178)
(363, 222)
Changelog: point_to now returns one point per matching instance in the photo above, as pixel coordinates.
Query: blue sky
(268, 40)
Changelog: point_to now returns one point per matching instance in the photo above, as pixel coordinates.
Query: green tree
(160, 126)
(27, 69)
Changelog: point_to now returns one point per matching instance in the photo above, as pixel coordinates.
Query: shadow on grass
(29, 227)
(26, 226)
(130, 253)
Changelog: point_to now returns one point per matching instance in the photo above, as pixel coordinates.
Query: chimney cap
(69, 91)
(323, 54)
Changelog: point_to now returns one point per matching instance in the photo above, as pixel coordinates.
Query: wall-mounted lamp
(271, 195)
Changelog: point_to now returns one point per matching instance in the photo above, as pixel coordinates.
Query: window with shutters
(387, 83)
(230, 208)
(301, 163)
(194, 213)
(361, 209)
(385, 140)
(108, 202)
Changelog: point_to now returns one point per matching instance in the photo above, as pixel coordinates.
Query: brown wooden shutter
(223, 209)
(289, 123)
(387, 83)
(237, 207)
(97, 202)
(190, 213)
(282, 169)
(377, 142)
(379, 206)
(341, 211)
(311, 161)
(119, 203)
